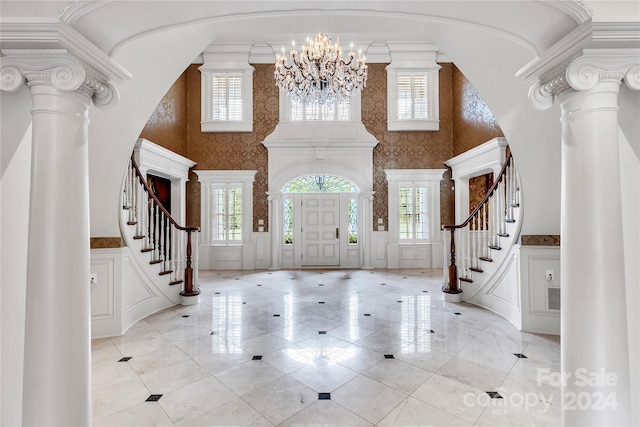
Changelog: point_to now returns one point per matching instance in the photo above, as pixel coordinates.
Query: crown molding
(52, 34)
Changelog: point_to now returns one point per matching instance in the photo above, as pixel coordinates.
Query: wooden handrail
(156, 200)
(484, 201)
(452, 287)
(188, 288)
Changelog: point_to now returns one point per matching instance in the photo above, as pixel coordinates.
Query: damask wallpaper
(474, 122)
(176, 125)
(167, 126)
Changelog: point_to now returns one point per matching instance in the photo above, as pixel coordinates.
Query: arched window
(320, 184)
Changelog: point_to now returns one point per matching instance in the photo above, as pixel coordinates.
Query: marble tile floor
(262, 346)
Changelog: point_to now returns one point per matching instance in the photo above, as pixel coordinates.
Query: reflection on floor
(325, 347)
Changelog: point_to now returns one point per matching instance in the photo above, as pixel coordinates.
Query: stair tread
(132, 222)
(155, 261)
(146, 249)
(484, 258)
(175, 282)
(138, 237)
(497, 248)
(162, 273)
(477, 270)
(503, 234)
(466, 279)
(510, 221)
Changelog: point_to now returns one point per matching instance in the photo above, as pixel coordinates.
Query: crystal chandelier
(319, 74)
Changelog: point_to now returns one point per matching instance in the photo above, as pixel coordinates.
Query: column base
(452, 296)
(189, 298)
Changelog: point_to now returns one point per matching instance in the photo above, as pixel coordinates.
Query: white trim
(410, 254)
(226, 59)
(414, 59)
(208, 177)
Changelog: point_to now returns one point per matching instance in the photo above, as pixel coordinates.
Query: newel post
(190, 295)
(451, 291)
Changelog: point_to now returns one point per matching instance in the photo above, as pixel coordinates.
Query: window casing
(414, 205)
(227, 206)
(226, 94)
(413, 90)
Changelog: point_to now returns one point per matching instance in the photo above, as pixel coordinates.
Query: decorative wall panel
(474, 122)
(167, 126)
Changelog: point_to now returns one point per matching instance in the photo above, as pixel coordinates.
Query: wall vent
(553, 298)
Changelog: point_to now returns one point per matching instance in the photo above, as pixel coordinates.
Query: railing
(474, 239)
(168, 243)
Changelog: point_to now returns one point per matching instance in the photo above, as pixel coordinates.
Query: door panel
(320, 220)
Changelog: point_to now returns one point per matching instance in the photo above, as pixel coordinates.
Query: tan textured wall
(474, 122)
(465, 122)
(233, 150)
(167, 126)
(406, 150)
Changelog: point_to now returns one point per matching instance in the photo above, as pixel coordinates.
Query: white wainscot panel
(415, 256)
(262, 245)
(540, 294)
(226, 257)
(106, 309)
(379, 242)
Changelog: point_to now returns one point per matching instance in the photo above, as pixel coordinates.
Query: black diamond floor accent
(404, 277)
(256, 358)
(494, 395)
(258, 285)
(276, 315)
(520, 356)
(383, 284)
(322, 332)
(425, 291)
(324, 396)
(185, 315)
(399, 301)
(320, 302)
(389, 356)
(458, 314)
(367, 314)
(237, 278)
(153, 398)
(244, 302)
(215, 333)
(321, 284)
(125, 359)
(216, 293)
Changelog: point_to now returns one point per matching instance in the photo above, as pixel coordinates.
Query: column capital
(64, 59)
(367, 194)
(274, 195)
(593, 53)
(57, 68)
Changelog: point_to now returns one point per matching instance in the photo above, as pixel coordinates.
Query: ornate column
(57, 354)
(275, 219)
(366, 198)
(594, 340)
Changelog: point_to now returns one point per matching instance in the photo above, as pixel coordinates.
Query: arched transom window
(320, 184)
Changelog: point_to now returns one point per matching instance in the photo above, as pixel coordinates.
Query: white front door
(320, 230)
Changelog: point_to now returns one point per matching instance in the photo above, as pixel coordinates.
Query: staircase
(165, 252)
(480, 249)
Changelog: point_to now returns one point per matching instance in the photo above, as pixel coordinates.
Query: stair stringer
(144, 291)
(497, 288)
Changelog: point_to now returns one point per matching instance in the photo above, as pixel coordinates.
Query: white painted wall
(15, 157)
